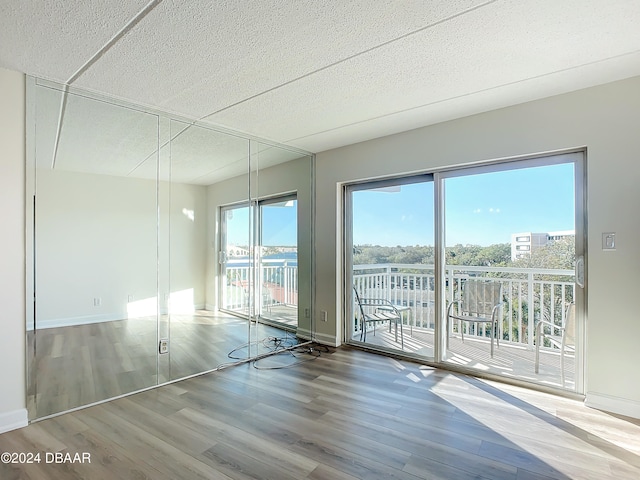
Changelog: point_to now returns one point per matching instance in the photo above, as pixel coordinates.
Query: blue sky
(480, 209)
(279, 225)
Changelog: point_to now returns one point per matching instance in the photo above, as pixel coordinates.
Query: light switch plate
(609, 241)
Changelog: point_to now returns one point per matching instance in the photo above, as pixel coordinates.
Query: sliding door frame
(347, 246)
(255, 225)
(577, 156)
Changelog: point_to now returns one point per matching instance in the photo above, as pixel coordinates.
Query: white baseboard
(13, 420)
(81, 320)
(322, 338)
(88, 319)
(609, 403)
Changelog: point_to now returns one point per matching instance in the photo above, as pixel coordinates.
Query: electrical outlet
(97, 302)
(307, 313)
(164, 346)
(323, 315)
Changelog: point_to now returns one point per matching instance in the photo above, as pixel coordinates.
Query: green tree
(497, 255)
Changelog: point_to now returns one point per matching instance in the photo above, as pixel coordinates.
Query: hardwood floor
(348, 414)
(83, 364)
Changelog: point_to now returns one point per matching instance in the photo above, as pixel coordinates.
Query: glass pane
(95, 333)
(393, 267)
(279, 260)
(235, 259)
(511, 234)
(207, 167)
(145, 250)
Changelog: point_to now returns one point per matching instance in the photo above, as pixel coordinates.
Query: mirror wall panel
(95, 322)
(164, 247)
(281, 190)
(202, 333)
(161, 248)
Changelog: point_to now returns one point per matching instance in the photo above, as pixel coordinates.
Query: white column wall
(13, 412)
(605, 119)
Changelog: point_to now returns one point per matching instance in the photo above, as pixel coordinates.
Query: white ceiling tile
(53, 39)
(321, 74)
(198, 57)
(99, 137)
(497, 46)
(462, 106)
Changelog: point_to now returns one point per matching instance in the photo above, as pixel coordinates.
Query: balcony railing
(276, 284)
(529, 295)
(536, 294)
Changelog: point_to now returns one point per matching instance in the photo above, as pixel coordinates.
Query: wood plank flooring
(82, 364)
(348, 414)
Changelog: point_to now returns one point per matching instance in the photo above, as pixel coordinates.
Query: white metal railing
(413, 286)
(275, 284)
(528, 294)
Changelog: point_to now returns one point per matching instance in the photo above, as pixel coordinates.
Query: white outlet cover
(609, 241)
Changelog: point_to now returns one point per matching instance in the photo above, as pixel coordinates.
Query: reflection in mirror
(94, 330)
(283, 193)
(161, 248)
(201, 335)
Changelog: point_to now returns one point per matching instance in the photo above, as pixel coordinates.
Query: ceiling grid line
(351, 57)
(123, 31)
(313, 75)
(468, 94)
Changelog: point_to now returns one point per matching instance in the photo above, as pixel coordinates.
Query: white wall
(13, 411)
(605, 119)
(188, 245)
(96, 237)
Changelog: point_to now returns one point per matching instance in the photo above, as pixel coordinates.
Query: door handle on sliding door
(580, 271)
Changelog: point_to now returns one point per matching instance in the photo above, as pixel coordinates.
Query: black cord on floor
(312, 352)
(281, 345)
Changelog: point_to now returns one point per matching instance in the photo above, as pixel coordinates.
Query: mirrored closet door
(158, 247)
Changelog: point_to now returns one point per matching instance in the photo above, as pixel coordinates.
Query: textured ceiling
(318, 75)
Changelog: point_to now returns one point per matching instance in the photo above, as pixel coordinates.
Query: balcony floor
(285, 314)
(508, 360)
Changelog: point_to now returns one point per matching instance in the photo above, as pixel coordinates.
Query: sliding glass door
(390, 277)
(235, 258)
(512, 243)
(275, 256)
(278, 259)
(498, 290)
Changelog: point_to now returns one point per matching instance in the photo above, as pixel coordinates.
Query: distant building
(522, 244)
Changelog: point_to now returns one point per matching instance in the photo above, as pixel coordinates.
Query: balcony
(413, 287)
(534, 294)
(277, 289)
